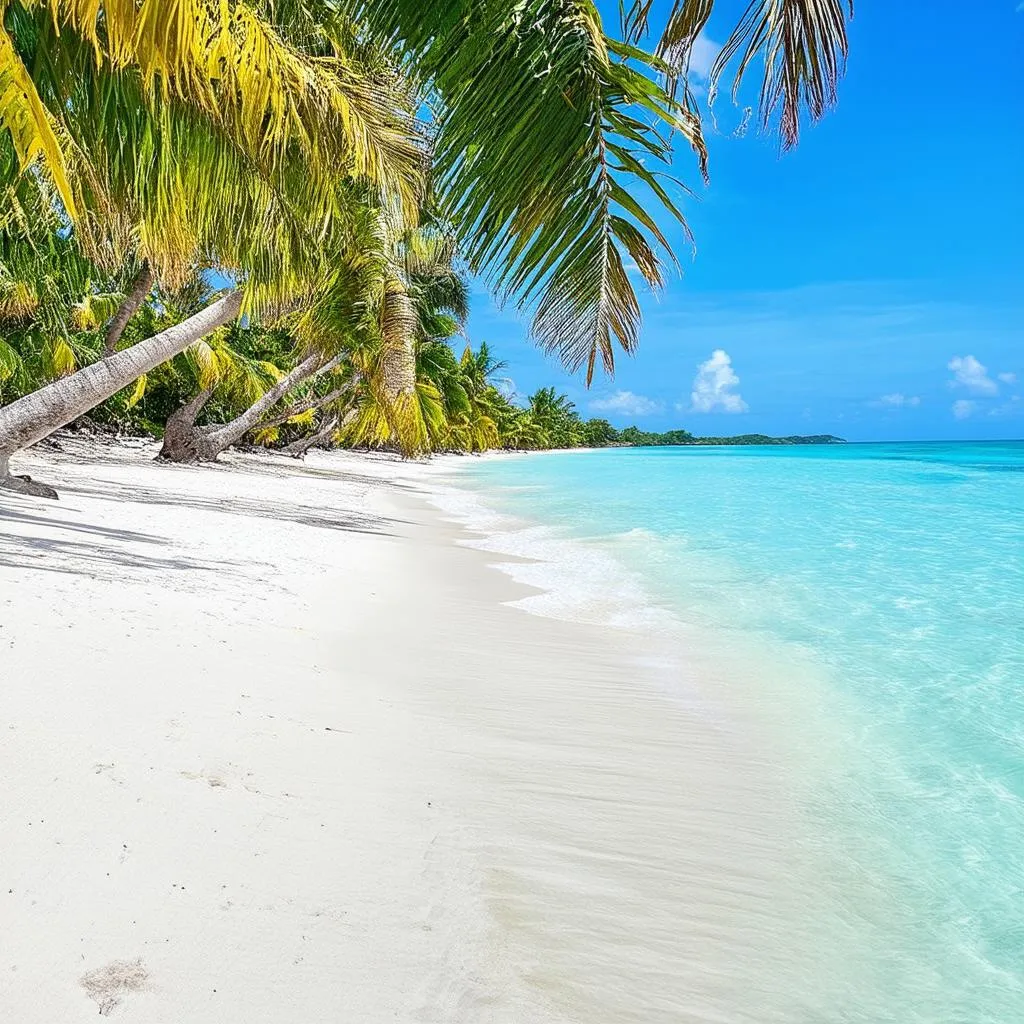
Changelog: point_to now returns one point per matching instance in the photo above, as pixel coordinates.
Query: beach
(278, 744)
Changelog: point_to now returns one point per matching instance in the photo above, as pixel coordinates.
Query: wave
(579, 579)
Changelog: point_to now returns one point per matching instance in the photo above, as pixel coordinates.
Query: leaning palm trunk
(136, 296)
(309, 405)
(297, 449)
(181, 439)
(30, 419)
(190, 443)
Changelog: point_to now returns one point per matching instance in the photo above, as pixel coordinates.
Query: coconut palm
(224, 59)
(184, 442)
(412, 296)
(802, 45)
(557, 418)
(322, 337)
(53, 302)
(424, 299)
(547, 134)
(202, 156)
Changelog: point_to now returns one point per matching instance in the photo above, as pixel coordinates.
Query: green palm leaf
(544, 131)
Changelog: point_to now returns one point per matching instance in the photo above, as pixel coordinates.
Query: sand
(275, 745)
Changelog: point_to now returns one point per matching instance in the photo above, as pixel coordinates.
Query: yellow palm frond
(225, 58)
(23, 114)
(10, 361)
(303, 418)
(59, 358)
(92, 311)
(266, 435)
(18, 300)
(204, 364)
(138, 393)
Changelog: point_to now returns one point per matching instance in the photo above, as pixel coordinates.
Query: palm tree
(424, 299)
(803, 45)
(548, 137)
(217, 56)
(184, 442)
(342, 306)
(557, 417)
(225, 367)
(53, 302)
(205, 153)
(545, 128)
(412, 297)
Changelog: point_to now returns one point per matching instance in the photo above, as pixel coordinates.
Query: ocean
(865, 603)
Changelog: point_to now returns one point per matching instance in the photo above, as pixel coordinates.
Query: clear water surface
(896, 571)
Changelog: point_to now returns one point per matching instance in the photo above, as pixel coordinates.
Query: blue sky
(867, 284)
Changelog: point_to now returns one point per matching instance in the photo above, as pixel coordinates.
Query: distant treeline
(634, 437)
(549, 419)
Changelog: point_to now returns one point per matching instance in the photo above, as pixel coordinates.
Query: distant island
(601, 434)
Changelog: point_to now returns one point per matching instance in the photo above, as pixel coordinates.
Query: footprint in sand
(107, 986)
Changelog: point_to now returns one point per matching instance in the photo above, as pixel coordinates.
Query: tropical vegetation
(236, 222)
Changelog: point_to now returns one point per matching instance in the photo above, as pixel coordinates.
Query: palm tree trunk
(399, 357)
(180, 435)
(39, 414)
(136, 296)
(299, 448)
(299, 408)
(211, 441)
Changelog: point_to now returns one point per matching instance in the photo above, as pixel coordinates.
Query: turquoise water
(895, 572)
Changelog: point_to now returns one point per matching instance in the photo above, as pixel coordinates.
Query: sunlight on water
(896, 572)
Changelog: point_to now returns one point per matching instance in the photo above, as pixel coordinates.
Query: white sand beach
(275, 747)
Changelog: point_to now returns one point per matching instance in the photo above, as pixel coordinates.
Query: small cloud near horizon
(897, 400)
(963, 408)
(1014, 407)
(626, 403)
(1008, 378)
(970, 374)
(714, 387)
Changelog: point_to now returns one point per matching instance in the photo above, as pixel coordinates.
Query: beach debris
(107, 986)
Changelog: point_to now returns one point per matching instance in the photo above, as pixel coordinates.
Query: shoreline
(285, 751)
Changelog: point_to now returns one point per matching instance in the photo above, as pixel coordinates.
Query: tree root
(26, 485)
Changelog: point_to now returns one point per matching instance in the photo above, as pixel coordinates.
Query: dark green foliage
(635, 437)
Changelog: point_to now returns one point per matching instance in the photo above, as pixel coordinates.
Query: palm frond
(544, 130)
(10, 361)
(138, 392)
(802, 43)
(30, 124)
(58, 358)
(94, 309)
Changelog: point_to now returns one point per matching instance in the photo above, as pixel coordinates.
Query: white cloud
(1014, 407)
(963, 408)
(897, 400)
(701, 60)
(1008, 378)
(702, 56)
(626, 404)
(970, 374)
(715, 384)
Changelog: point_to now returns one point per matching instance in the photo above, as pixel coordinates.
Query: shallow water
(867, 601)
